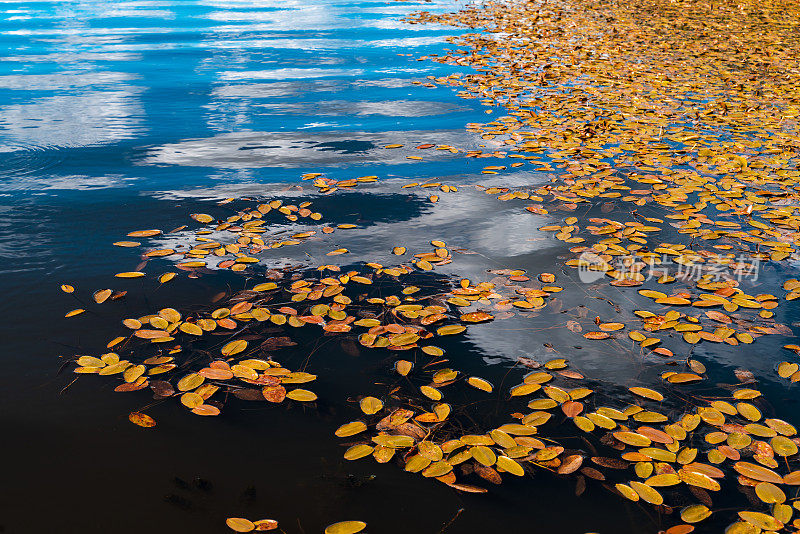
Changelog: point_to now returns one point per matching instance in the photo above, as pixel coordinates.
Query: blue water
(158, 95)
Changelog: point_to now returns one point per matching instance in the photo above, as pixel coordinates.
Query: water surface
(126, 115)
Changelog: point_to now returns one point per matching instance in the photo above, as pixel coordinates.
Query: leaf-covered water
(576, 313)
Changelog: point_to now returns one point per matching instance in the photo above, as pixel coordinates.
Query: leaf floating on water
(436, 469)
(769, 493)
(347, 527)
(371, 405)
(570, 464)
(596, 335)
(476, 317)
(510, 466)
(267, 286)
(189, 328)
(783, 446)
(359, 451)
(695, 513)
(757, 472)
(627, 492)
(202, 217)
(191, 400)
(450, 330)
(467, 488)
(431, 393)
(432, 351)
(141, 419)
(66, 288)
(682, 378)
(130, 274)
(652, 294)
(206, 409)
(265, 524)
(483, 455)
(190, 382)
(234, 347)
(632, 438)
(90, 361)
(144, 233)
(760, 520)
(792, 479)
(301, 395)
(646, 493)
(101, 295)
(403, 367)
(152, 334)
(647, 393)
(240, 524)
(74, 312)
(275, 394)
(480, 383)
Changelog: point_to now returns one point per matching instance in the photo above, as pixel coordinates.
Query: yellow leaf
(130, 274)
(240, 524)
(302, 395)
(234, 347)
(480, 383)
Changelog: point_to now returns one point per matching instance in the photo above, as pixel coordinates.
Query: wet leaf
(301, 395)
(476, 317)
(695, 513)
(357, 452)
(206, 409)
(769, 493)
(760, 520)
(130, 274)
(757, 472)
(371, 405)
(141, 419)
(646, 493)
(102, 295)
(480, 383)
(265, 524)
(240, 524)
(346, 527)
(647, 393)
(403, 367)
(234, 347)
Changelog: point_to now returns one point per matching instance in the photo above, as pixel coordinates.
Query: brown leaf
(611, 463)
(274, 393)
(141, 419)
(570, 464)
(580, 485)
(487, 473)
(571, 409)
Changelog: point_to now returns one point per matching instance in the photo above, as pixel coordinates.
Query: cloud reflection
(294, 149)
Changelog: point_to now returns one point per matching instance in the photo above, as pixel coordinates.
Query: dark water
(126, 115)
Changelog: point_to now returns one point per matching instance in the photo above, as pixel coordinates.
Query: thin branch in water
(447, 525)
(64, 389)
